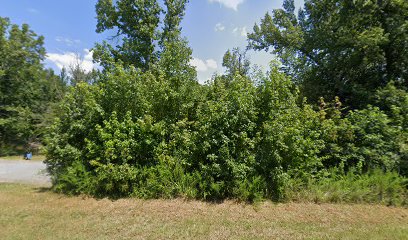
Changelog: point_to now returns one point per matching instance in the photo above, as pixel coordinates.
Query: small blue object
(29, 156)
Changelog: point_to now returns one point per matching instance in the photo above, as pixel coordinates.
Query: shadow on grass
(43, 189)
(113, 198)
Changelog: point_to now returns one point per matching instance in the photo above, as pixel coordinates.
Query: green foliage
(114, 180)
(338, 48)
(134, 137)
(128, 135)
(375, 139)
(226, 128)
(236, 62)
(394, 102)
(289, 134)
(137, 25)
(375, 187)
(147, 129)
(27, 91)
(125, 142)
(74, 180)
(364, 139)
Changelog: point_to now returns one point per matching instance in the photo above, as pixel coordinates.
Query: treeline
(28, 92)
(327, 122)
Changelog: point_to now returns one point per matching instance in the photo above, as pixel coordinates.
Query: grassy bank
(33, 213)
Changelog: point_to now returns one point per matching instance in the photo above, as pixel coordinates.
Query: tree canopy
(339, 48)
(26, 88)
(236, 62)
(142, 37)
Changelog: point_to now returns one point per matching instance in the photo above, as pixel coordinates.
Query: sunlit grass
(36, 213)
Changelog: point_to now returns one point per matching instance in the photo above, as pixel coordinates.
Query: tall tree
(149, 39)
(175, 54)
(180, 78)
(78, 74)
(21, 53)
(340, 48)
(26, 89)
(175, 10)
(236, 62)
(140, 41)
(135, 23)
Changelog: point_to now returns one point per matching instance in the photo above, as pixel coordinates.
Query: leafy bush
(289, 134)
(226, 127)
(365, 139)
(75, 179)
(394, 102)
(136, 134)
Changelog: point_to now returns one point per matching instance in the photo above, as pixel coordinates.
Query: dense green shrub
(210, 146)
(289, 134)
(365, 139)
(135, 134)
(225, 138)
(66, 139)
(394, 102)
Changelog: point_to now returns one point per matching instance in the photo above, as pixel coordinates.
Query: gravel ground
(21, 171)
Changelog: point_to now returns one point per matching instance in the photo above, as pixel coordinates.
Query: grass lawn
(29, 212)
(35, 158)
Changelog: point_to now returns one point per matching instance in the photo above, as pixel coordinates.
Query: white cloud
(67, 59)
(244, 32)
(219, 27)
(238, 31)
(67, 41)
(203, 66)
(233, 4)
(211, 63)
(198, 64)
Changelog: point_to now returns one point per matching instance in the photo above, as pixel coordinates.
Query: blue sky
(211, 26)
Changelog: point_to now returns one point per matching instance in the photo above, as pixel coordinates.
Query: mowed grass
(29, 212)
(35, 158)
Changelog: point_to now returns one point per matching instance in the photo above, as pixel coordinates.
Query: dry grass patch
(34, 213)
